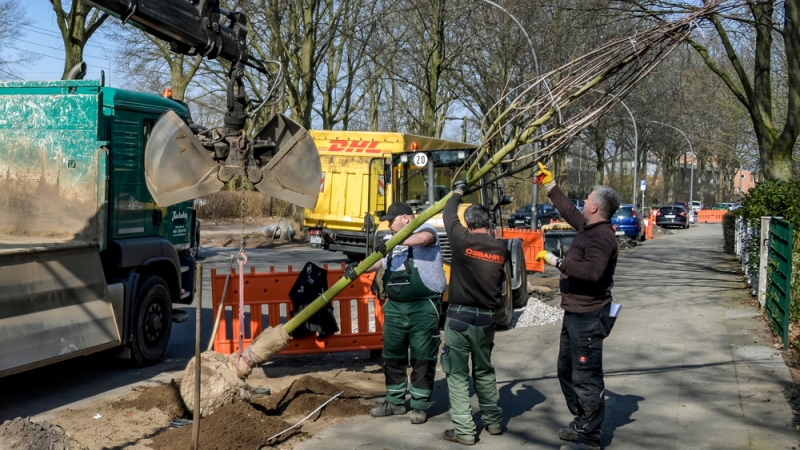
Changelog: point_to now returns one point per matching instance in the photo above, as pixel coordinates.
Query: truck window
(411, 182)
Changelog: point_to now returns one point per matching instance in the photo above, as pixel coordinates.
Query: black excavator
(183, 160)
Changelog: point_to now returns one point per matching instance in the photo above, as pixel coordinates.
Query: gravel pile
(22, 434)
(534, 314)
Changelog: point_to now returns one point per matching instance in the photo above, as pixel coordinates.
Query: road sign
(420, 160)
(643, 185)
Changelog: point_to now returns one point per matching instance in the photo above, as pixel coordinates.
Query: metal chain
(242, 150)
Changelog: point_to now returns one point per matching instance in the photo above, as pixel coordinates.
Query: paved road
(41, 390)
(685, 368)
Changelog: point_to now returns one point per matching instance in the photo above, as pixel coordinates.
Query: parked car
(672, 216)
(628, 222)
(722, 206)
(578, 203)
(684, 205)
(696, 205)
(522, 218)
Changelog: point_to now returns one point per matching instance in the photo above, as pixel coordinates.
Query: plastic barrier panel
(267, 302)
(532, 244)
(710, 216)
(650, 223)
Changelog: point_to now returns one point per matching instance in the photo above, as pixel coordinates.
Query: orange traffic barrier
(270, 291)
(649, 224)
(532, 244)
(710, 216)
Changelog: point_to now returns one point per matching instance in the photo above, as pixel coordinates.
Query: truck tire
(520, 294)
(505, 314)
(152, 320)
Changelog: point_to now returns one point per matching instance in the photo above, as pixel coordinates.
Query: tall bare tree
(77, 26)
(749, 35)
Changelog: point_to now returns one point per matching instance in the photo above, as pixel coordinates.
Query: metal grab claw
(282, 161)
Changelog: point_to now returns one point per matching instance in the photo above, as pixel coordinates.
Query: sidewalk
(685, 368)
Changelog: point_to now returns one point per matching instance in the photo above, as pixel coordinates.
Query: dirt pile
(308, 393)
(249, 425)
(232, 427)
(167, 398)
(22, 434)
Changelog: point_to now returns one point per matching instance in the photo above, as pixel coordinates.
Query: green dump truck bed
(78, 228)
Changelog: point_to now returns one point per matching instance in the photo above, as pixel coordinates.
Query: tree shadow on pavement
(619, 409)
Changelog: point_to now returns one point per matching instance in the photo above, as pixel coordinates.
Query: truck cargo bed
(25, 244)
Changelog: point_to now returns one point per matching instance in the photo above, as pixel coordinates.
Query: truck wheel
(520, 294)
(505, 313)
(152, 320)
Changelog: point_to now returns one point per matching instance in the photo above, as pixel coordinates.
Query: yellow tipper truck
(401, 167)
(354, 175)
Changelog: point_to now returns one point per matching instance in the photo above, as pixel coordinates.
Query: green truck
(88, 261)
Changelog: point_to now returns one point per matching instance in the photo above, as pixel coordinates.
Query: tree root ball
(219, 384)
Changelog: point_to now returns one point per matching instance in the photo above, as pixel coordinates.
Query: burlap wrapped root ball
(222, 377)
(219, 384)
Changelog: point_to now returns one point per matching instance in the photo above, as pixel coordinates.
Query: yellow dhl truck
(364, 172)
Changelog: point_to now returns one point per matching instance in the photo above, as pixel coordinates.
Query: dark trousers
(580, 370)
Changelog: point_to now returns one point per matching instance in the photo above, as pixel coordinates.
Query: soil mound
(308, 393)
(22, 434)
(232, 427)
(304, 404)
(166, 398)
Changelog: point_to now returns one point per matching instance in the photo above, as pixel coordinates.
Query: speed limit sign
(420, 160)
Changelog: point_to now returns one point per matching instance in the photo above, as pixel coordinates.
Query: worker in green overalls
(414, 281)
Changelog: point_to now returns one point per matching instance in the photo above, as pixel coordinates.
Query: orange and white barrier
(266, 295)
(710, 216)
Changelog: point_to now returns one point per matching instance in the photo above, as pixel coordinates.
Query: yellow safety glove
(548, 257)
(545, 177)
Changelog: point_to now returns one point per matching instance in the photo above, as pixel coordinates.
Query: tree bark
(76, 30)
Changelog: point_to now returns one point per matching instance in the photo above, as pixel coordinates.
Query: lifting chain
(244, 177)
(242, 259)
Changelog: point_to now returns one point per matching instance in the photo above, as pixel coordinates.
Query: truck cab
(421, 178)
(88, 260)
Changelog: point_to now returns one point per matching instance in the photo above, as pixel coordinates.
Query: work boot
(388, 409)
(580, 446)
(419, 416)
(450, 435)
(494, 430)
(568, 434)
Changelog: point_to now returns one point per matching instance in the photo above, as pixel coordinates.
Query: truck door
(132, 196)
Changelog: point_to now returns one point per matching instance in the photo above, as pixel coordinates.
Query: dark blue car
(628, 222)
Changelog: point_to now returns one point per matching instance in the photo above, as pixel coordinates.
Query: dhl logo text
(353, 147)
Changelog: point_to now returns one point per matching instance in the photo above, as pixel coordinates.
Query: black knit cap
(397, 209)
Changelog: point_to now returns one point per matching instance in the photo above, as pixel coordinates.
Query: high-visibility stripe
(322, 183)
(381, 186)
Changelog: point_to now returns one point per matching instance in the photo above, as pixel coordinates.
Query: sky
(42, 39)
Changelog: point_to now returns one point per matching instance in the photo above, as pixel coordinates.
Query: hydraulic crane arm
(183, 161)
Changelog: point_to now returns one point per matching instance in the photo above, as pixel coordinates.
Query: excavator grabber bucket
(177, 167)
(282, 161)
(294, 172)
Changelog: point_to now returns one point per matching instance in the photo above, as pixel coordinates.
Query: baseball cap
(397, 209)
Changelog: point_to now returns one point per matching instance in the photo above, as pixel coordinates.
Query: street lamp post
(691, 150)
(635, 150)
(535, 189)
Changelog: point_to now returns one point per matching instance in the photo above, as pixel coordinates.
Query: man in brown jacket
(587, 276)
